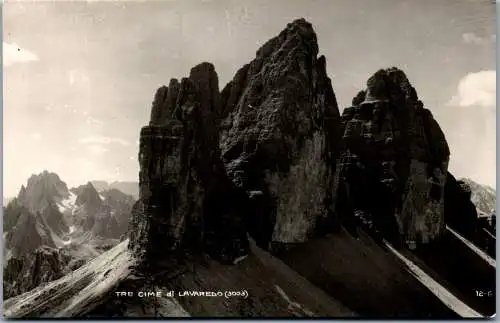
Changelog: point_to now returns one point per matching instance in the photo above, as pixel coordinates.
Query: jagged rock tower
(394, 162)
(256, 158)
(186, 200)
(279, 137)
(260, 157)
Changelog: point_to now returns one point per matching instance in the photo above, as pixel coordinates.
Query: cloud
(472, 38)
(103, 140)
(476, 89)
(470, 127)
(14, 54)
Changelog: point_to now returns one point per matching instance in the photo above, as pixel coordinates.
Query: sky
(80, 75)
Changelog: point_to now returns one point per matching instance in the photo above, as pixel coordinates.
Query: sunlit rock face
(394, 161)
(279, 137)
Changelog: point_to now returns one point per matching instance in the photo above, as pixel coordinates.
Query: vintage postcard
(249, 159)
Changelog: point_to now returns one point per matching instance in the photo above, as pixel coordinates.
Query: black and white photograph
(262, 159)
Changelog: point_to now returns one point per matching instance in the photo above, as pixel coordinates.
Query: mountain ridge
(66, 228)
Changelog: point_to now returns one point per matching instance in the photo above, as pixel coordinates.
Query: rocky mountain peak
(216, 165)
(269, 157)
(42, 190)
(298, 32)
(483, 196)
(391, 84)
(182, 179)
(88, 195)
(280, 114)
(394, 161)
(41, 197)
(129, 188)
(22, 193)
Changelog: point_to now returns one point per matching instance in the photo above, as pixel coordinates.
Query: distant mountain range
(51, 229)
(67, 227)
(130, 188)
(483, 197)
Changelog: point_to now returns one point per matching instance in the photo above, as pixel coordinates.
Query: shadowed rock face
(30, 257)
(279, 137)
(29, 233)
(461, 215)
(29, 271)
(105, 214)
(186, 199)
(260, 157)
(460, 212)
(89, 198)
(393, 166)
(273, 173)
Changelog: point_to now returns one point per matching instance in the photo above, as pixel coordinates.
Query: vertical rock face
(186, 199)
(460, 212)
(279, 135)
(393, 166)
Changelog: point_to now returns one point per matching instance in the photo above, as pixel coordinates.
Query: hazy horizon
(80, 76)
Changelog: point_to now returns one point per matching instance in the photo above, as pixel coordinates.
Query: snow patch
(437, 289)
(293, 306)
(7, 256)
(478, 251)
(44, 232)
(489, 234)
(237, 260)
(252, 194)
(68, 204)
